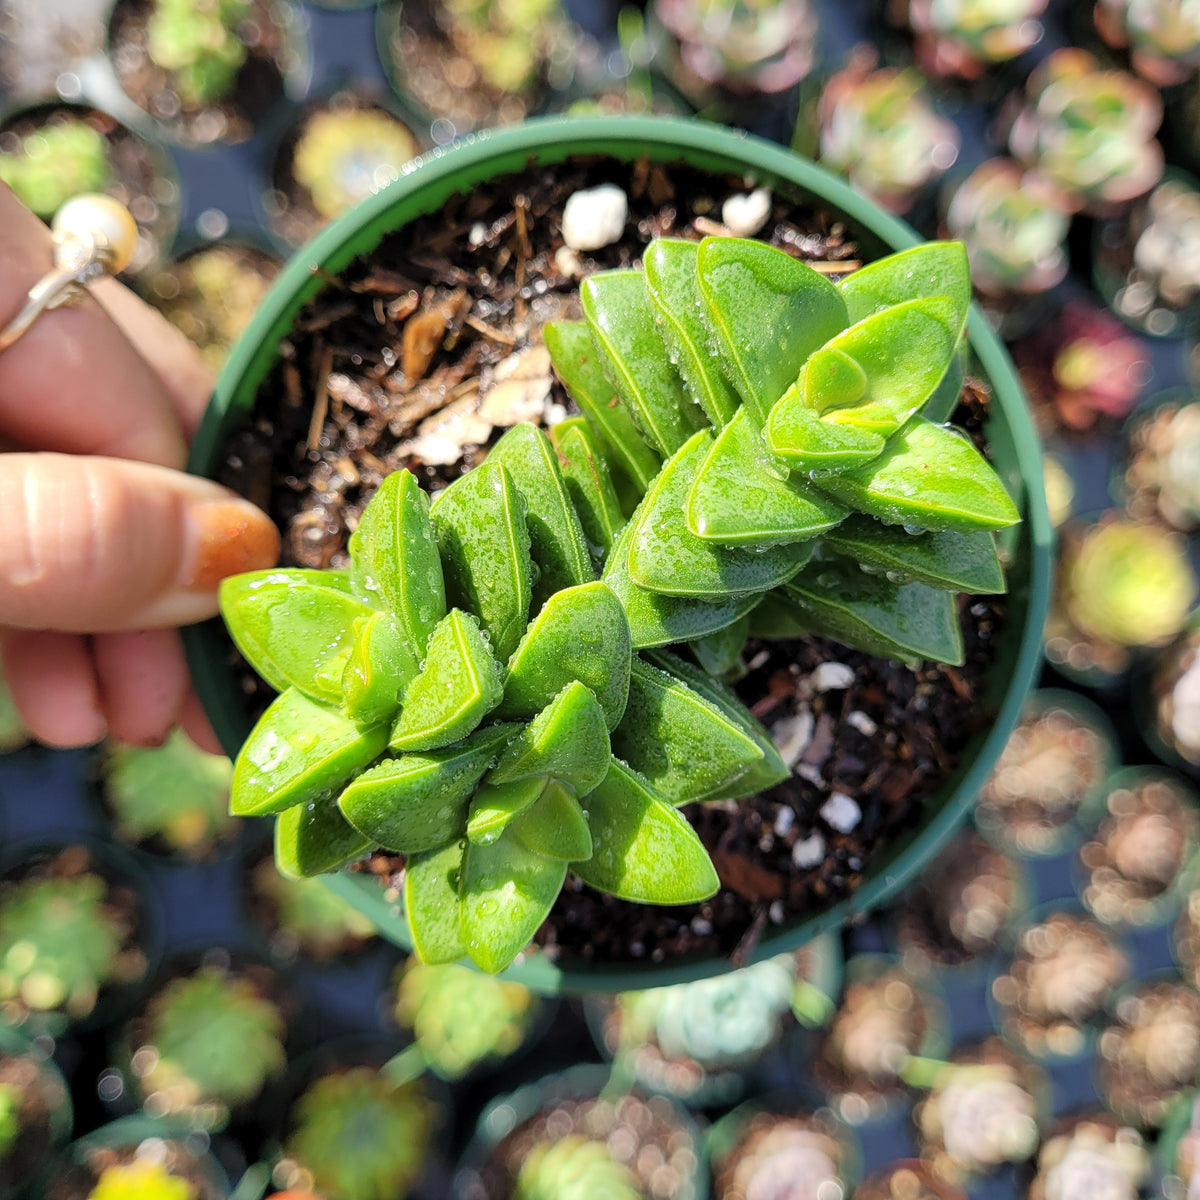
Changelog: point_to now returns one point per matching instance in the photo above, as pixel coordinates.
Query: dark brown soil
(77, 1182)
(139, 174)
(259, 84)
(41, 1096)
(419, 327)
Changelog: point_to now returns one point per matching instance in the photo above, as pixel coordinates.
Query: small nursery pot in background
(35, 1104)
(424, 186)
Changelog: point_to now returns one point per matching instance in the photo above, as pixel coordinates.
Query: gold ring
(94, 235)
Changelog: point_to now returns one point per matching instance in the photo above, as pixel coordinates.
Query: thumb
(97, 545)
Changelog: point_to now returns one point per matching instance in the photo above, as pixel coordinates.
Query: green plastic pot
(425, 184)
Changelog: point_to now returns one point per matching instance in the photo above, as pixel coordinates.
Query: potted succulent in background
(907, 1179)
(1159, 479)
(1090, 1150)
(35, 1112)
(1163, 37)
(966, 38)
(172, 798)
(80, 935)
(568, 140)
(1165, 702)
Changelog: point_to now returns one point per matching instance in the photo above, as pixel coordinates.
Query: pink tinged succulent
(962, 37)
(1163, 36)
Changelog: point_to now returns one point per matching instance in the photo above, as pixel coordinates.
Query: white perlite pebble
(744, 216)
(809, 852)
(566, 262)
(594, 217)
(792, 735)
(841, 812)
(832, 677)
(784, 820)
(864, 724)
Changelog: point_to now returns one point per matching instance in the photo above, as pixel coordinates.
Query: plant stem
(405, 1067)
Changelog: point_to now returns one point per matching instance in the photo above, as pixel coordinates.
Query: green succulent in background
(197, 41)
(574, 1168)
(13, 734)
(10, 1117)
(59, 943)
(215, 1041)
(1163, 36)
(879, 128)
(962, 37)
(1013, 226)
(61, 160)
(1129, 582)
(506, 41)
(322, 923)
(1088, 132)
(421, 709)
(142, 1179)
(342, 157)
(360, 1136)
(175, 791)
(459, 1018)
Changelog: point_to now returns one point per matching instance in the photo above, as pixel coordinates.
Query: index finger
(73, 382)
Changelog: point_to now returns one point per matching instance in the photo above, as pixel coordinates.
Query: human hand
(108, 545)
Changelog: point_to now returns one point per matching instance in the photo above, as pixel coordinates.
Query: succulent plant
(1088, 132)
(142, 1179)
(777, 1157)
(308, 916)
(1013, 227)
(10, 1117)
(460, 1019)
(1163, 474)
(342, 157)
(880, 130)
(61, 160)
(1094, 1157)
(176, 792)
(197, 42)
(964, 37)
(524, 746)
(209, 1041)
(60, 943)
(1163, 36)
(574, 1168)
(1129, 583)
(13, 734)
(507, 42)
(359, 1137)
(744, 45)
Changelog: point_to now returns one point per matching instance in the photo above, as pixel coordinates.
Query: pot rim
(424, 185)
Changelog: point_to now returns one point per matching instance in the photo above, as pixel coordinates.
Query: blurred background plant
(55, 163)
(197, 42)
(142, 1179)
(964, 38)
(1162, 469)
(878, 127)
(1162, 36)
(1089, 132)
(574, 1168)
(305, 917)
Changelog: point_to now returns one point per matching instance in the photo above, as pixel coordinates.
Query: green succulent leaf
(720, 652)
(903, 352)
(622, 322)
(313, 838)
(909, 621)
(581, 634)
(481, 533)
(419, 801)
(930, 477)
(299, 751)
(962, 562)
(770, 313)
(770, 769)
(432, 904)
(507, 892)
(777, 619)
(588, 484)
(458, 686)
(642, 849)
(555, 825)
(932, 269)
(666, 557)
(379, 667)
(945, 396)
(685, 327)
(556, 539)
(656, 620)
(742, 494)
(495, 805)
(807, 443)
(683, 746)
(394, 554)
(579, 366)
(294, 630)
(567, 740)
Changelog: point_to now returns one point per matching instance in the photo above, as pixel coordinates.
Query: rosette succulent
(198, 43)
(963, 37)
(10, 1117)
(460, 1019)
(574, 1168)
(357, 1136)
(1013, 227)
(1162, 36)
(64, 159)
(423, 710)
(879, 129)
(307, 916)
(142, 1179)
(1089, 132)
(507, 42)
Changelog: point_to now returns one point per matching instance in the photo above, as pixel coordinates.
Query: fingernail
(228, 537)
